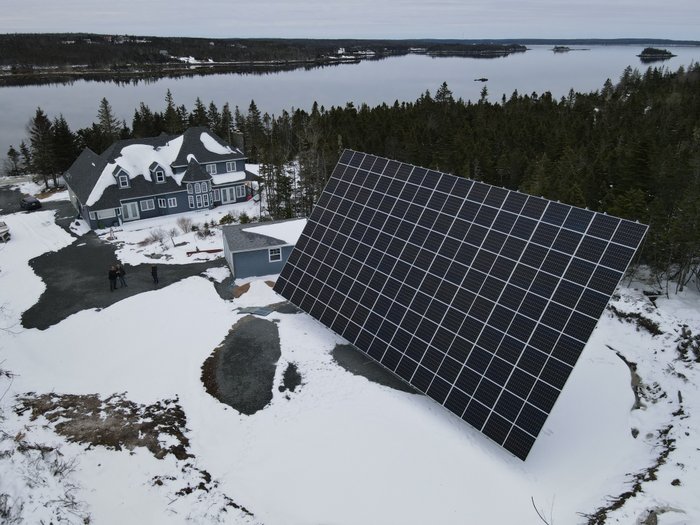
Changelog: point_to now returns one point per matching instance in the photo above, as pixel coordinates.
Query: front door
(130, 211)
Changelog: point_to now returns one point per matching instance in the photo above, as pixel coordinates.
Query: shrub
(243, 218)
(227, 219)
(184, 223)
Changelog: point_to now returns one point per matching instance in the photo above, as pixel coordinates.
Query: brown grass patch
(240, 290)
(115, 422)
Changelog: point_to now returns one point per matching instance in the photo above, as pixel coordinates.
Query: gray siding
(256, 262)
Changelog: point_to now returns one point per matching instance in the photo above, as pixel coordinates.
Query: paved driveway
(76, 276)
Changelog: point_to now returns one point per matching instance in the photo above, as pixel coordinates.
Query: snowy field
(339, 449)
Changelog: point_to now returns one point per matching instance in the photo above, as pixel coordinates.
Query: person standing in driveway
(112, 276)
(121, 273)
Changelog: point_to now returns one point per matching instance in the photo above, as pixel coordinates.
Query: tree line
(631, 148)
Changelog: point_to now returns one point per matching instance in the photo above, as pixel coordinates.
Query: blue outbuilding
(261, 248)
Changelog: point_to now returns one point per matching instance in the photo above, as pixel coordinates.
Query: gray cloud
(359, 19)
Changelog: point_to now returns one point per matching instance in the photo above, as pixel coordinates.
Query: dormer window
(123, 181)
(160, 176)
(230, 166)
(211, 169)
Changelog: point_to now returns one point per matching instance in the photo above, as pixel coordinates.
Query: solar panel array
(481, 297)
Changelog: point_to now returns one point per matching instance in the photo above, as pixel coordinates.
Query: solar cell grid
(480, 297)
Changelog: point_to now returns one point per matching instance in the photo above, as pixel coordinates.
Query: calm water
(372, 82)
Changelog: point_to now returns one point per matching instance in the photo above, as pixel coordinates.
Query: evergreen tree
(108, 124)
(26, 156)
(253, 132)
(13, 163)
(43, 161)
(198, 117)
(65, 145)
(225, 124)
(214, 119)
(172, 121)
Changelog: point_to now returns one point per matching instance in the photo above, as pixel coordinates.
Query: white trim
(161, 202)
(258, 249)
(240, 191)
(172, 202)
(190, 201)
(197, 187)
(199, 200)
(269, 254)
(217, 194)
(160, 176)
(123, 180)
(211, 168)
(189, 188)
(230, 166)
(147, 205)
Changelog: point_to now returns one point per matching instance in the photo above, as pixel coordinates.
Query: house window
(160, 176)
(123, 181)
(92, 216)
(199, 201)
(161, 202)
(190, 200)
(189, 188)
(211, 169)
(197, 187)
(217, 196)
(147, 205)
(205, 187)
(172, 202)
(230, 166)
(205, 199)
(275, 254)
(240, 191)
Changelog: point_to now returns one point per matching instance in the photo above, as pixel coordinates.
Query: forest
(631, 149)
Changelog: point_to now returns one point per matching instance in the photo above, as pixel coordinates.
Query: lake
(401, 78)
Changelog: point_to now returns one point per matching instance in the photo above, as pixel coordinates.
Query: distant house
(260, 248)
(144, 178)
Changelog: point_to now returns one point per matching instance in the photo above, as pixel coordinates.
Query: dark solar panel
(481, 297)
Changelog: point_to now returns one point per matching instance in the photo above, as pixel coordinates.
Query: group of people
(117, 271)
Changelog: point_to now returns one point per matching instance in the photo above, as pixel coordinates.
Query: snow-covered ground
(339, 449)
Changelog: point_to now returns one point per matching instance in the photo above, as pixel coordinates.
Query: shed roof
(262, 235)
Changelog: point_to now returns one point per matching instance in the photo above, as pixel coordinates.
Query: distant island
(652, 54)
(561, 49)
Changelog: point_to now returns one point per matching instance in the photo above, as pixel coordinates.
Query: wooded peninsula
(42, 58)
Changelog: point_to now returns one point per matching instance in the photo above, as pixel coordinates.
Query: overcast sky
(675, 19)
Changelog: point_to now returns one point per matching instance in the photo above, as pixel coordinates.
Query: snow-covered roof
(212, 145)
(248, 237)
(226, 178)
(135, 160)
(288, 231)
(91, 175)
